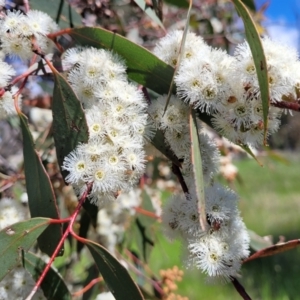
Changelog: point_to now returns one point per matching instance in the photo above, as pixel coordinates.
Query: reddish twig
(65, 235)
(287, 105)
(147, 213)
(87, 287)
(240, 289)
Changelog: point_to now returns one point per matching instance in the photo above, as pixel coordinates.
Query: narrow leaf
(249, 151)
(178, 3)
(275, 249)
(17, 237)
(258, 57)
(115, 275)
(180, 53)
(197, 167)
(69, 123)
(53, 285)
(41, 198)
(143, 66)
(149, 11)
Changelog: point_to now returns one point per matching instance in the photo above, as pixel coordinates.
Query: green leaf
(41, 198)
(115, 275)
(249, 151)
(178, 3)
(258, 57)
(51, 8)
(143, 66)
(149, 11)
(17, 237)
(250, 4)
(53, 285)
(69, 123)
(197, 167)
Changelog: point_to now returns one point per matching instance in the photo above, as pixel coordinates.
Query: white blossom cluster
(21, 33)
(226, 87)
(7, 107)
(18, 283)
(219, 249)
(113, 158)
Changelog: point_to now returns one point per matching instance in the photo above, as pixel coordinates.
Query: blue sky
(283, 20)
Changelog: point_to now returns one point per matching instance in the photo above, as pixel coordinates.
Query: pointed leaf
(275, 249)
(69, 123)
(115, 275)
(17, 237)
(149, 11)
(143, 66)
(178, 3)
(41, 198)
(249, 151)
(53, 285)
(258, 57)
(197, 167)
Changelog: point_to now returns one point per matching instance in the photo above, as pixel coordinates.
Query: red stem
(87, 287)
(65, 235)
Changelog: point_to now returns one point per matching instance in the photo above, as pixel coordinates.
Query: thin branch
(240, 289)
(288, 105)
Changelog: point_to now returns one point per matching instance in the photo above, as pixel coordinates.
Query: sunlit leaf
(53, 284)
(197, 167)
(41, 198)
(69, 123)
(114, 274)
(18, 237)
(258, 57)
(143, 66)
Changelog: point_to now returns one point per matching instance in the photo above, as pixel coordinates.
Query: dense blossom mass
(120, 121)
(113, 158)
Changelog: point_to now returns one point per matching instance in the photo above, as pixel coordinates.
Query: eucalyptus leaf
(115, 275)
(17, 237)
(41, 198)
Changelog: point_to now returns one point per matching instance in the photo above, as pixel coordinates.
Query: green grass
(270, 205)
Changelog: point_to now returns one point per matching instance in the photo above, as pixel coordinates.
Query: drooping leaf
(197, 167)
(53, 285)
(275, 249)
(180, 54)
(258, 57)
(249, 151)
(69, 123)
(115, 275)
(41, 198)
(151, 12)
(52, 9)
(84, 225)
(17, 237)
(143, 66)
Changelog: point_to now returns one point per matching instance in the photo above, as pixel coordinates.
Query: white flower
(7, 107)
(6, 72)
